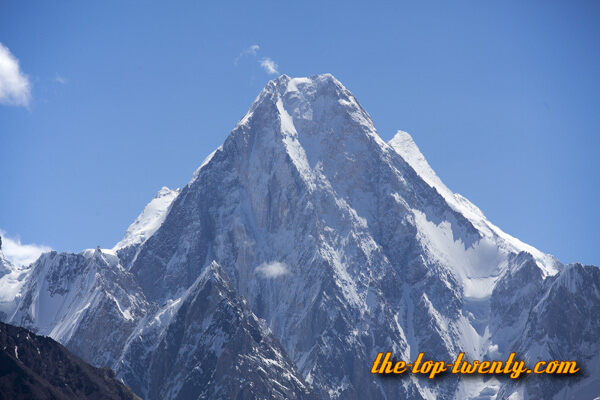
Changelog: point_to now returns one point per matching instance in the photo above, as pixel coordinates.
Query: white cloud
(253, 49)
(15, 88)
(266, 63)
(269, 65)
(250, 51)
(18, 253)
(273, 269)
(60, 79)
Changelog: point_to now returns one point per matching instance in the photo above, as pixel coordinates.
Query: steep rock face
(374, 252)
(563, 324)
(208, 344)
(87, 301)
(204, 344)
(305, 181)
(34, 367)
(516, 292)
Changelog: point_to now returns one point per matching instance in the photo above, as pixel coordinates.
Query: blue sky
(125, 97)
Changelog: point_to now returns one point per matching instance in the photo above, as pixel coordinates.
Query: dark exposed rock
(35, 367)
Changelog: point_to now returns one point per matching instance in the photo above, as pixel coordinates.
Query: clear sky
(125, 97)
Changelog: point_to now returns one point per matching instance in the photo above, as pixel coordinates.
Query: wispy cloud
(273, 269)
(15, 88)
(266, 63)
(60, 79)
(250, 51)
(269, 65)
(19, 253)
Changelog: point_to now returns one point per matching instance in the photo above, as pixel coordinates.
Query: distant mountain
(34, 368)
(302, 247)
(12, 278)
(145, 225)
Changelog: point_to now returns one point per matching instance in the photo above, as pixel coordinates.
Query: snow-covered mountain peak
(213, 271)
(307, 100)
(404, 145)
(165, 191)
(149, 220)
(103, 257)
(365, 250)
(314, 121)
(285, 83)
(318, 98)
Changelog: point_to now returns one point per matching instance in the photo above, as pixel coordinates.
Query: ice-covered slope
(149, 220)
(404, 144)
(144, 226)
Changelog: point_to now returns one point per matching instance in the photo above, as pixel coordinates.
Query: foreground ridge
(36, 367)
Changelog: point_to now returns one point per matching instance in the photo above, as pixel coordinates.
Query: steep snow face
(404, 144)
(149, 220)
(144, 226)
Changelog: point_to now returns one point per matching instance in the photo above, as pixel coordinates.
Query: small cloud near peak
(269, 66)
(266, 63)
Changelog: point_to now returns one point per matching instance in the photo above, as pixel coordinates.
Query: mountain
(37, 367)
(561, 324)
(325, 245)
(5, 265)
(145, 225)
(77, 299)
(208, 344)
